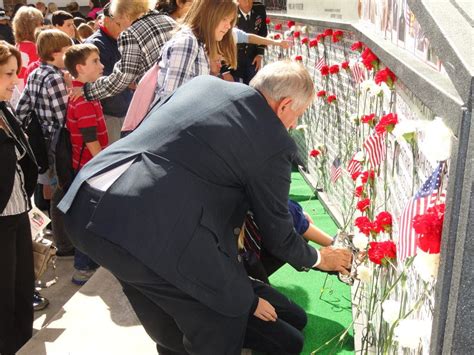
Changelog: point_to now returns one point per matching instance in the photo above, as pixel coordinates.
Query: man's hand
(257, 61)
(284, 43)
(265, 311)
(75, 93)
(332, 259)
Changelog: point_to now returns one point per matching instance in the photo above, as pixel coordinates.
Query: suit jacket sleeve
(268, 194)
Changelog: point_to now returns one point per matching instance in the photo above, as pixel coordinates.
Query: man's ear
(284, 105)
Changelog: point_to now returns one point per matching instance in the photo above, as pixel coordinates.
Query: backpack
(32, 128)
(142, 99)
(63, 155)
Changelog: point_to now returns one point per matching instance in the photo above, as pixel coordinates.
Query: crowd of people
(182, 158)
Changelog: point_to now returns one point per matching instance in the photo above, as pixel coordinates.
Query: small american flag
(425, 198)
(354, 166)
(336, 169)
(320, 63)
(358, 73)
(374, 145)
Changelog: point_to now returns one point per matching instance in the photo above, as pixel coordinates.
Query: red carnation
(332, 98)
(345, 65)
(369, 119)
(321, 93)
(304, 40)
(368, 175)
(385, 76)
(363, 204)
(328, 32)
(324, 70)
(313, 43)
(357, 46)
(297, 34)
(359, 191)
(298, 58)
(290, 24)
(364, 224)
(387, 123)
(336, 36)
(334, 69)
(429, 226)
(314, 153)
(383, 222)
(278, 26)
(277, 36)
(369, 59)
(381, 252)
(355, 175)
(268, 20)
(320, 37)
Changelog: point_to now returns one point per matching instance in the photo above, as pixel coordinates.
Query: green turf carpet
(328, 306)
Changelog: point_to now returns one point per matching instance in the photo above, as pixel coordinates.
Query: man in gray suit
(161, 207)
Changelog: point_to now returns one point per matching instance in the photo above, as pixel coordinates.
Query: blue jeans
(83, 262)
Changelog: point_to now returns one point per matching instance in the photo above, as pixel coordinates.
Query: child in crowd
(205, 33)
(86, 124)
(46, 93)
(258, 262)
(25, 22)
(64, 22)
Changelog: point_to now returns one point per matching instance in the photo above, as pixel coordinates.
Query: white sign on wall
(328, 9)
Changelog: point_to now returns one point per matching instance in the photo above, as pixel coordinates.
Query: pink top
(28, 56)
(93, 13)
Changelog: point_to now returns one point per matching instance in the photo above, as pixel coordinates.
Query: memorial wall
(376, 145)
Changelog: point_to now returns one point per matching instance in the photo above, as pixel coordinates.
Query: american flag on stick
(358, 73)
(354, 166)
(374, 145)
(320, 63)
(425, 198)
(336, 169)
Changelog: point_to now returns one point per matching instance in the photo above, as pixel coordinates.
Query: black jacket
(198, 165)
(8, 160)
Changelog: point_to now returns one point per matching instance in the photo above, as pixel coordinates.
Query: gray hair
(285, 79)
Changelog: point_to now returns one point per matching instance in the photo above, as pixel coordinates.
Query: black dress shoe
(39, 302)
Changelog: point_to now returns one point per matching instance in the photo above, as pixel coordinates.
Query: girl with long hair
(205, 33)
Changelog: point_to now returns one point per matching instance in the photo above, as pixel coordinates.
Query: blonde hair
(25, 22)
(51, 41)
(52, 7)
(203, 17)
(7, 51)
(285, 79)
(133, 9)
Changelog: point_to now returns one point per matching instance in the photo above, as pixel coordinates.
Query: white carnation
(364, 273)
(406, 129)
(426, 265)
(368, 85)
(360, 241)
(410, 332)
(359, 156)
(391, 311)
(437, 141)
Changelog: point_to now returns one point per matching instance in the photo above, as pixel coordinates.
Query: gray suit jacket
(212, 151)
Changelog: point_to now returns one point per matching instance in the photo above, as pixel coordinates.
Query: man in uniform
(251, 19)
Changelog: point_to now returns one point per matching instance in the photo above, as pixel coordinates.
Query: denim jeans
(83, 262)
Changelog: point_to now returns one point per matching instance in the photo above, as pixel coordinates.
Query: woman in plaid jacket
(144, 32)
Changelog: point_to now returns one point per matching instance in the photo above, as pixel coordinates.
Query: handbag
(44, 253)
(32, 127)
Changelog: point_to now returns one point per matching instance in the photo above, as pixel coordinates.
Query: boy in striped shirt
(86, 124)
